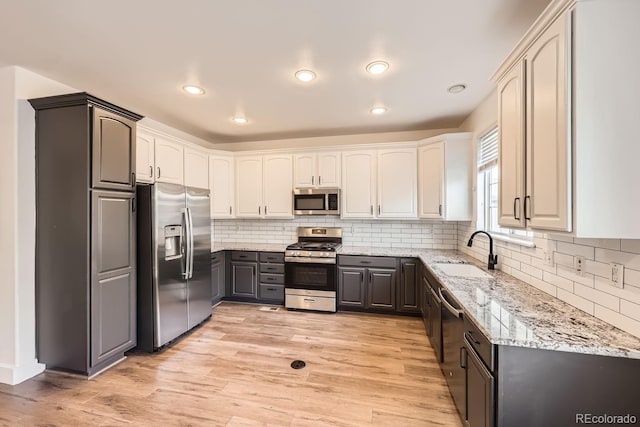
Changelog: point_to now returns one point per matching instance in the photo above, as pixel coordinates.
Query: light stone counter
(257, 247)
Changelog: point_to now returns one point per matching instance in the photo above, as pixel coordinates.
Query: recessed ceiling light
(193, 90)
(378, 110)
(239, 120)
(377, 67)
(457, 88)
(305, 75)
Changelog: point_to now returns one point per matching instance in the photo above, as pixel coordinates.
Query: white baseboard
(13, 375)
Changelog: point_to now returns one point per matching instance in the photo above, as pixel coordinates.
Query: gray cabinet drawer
(244, 256)
(217, 257)
(277, 257)
(480, 343)
(271, 292)
(272, 278)
(367, 261)
(272, 268)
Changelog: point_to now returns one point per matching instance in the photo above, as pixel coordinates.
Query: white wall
(590, 292)
(17, 220)
(418, 234)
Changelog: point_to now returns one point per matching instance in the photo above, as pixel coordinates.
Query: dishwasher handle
(456, 312)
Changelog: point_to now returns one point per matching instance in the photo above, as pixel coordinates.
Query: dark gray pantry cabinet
(85, 232)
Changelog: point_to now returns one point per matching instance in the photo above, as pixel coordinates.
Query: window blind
(488, 154)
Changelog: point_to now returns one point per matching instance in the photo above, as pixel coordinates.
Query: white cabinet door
(196, 169)
(278, 186)
(169, 161)
(221, 186)
(328, 169)
(511, 159)
(397, 181)
(431, 180)
(145, 153)
(249, 187)
(548, 198)
(305, 170)
(358, 184)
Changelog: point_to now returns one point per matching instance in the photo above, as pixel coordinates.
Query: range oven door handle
(309, 260)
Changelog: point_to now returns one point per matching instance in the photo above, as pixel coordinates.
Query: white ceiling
(138, 54)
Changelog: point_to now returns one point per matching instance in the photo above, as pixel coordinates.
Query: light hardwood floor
(362, 370)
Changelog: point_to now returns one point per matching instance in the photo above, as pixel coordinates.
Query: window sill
(512, 239)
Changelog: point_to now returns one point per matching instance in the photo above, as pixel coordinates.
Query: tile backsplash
(590, 291)
(417, 234)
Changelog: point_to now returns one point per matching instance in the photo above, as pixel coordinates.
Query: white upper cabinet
(196, 168)
(169, 161)
(278, 186)
(445, 165)
(145, 157)
(317, 170)
(511, 160)
(358, 184)
(249, 186)
(221, 186)
(397, 181)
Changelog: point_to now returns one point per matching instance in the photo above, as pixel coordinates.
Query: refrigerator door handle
(185, 251)
(191, 244)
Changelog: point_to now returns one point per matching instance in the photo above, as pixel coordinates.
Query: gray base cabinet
(85, 232)
(255, 276)
(243, 279)
(218, 260)
(409, 289)
(367, 283)
(381, 289)
(271, 285)
(351, 287)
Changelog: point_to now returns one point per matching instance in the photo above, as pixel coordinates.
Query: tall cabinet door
(221, 186)
(278, 186)
(548, 198)
(381, 292)
(431, 180)
(512, 150)
(358, 184)
(114, 151)
(113, 274)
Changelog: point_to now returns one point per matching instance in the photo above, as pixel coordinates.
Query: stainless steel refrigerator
(174, 262)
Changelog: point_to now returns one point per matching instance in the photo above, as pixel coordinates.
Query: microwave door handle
(326, 202)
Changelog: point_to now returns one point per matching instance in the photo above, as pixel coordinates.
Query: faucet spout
(493, 259)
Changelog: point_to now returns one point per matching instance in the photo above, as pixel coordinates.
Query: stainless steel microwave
(316, 201)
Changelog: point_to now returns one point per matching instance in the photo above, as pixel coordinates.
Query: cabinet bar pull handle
(158, 172)
(271, 289)
(265, 209)
(365, 262)
(440, 210)
(371, 209)
(527, 205)
(150, 171)
(133, 178)
(370, 277)
(378, 209)
(259, 207)
(463, 350)
(229, 210)
(515, 216)
(319, 180)
(313, 177)
(133, 205)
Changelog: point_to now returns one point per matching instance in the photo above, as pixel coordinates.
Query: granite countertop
(507, 310)
(258, 247)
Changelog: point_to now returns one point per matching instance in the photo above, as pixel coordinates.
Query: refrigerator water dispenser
(172, 242)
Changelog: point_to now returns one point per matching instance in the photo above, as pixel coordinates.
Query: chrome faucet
(493, 259)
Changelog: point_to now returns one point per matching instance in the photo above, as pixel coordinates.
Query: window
(488, 174)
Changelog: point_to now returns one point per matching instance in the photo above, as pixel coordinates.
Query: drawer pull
(272, 289)
(365, 262)
(309, 300)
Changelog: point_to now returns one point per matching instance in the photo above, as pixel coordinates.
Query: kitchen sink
(462, 270)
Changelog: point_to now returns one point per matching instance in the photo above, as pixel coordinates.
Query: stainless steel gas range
(310, 271)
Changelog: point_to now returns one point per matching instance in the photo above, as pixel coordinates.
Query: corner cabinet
(85, 232)
(534, 134)
(444, 177)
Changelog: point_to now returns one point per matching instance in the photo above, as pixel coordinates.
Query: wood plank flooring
(362, 370)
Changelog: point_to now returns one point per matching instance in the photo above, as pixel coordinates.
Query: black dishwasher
(453, 330)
